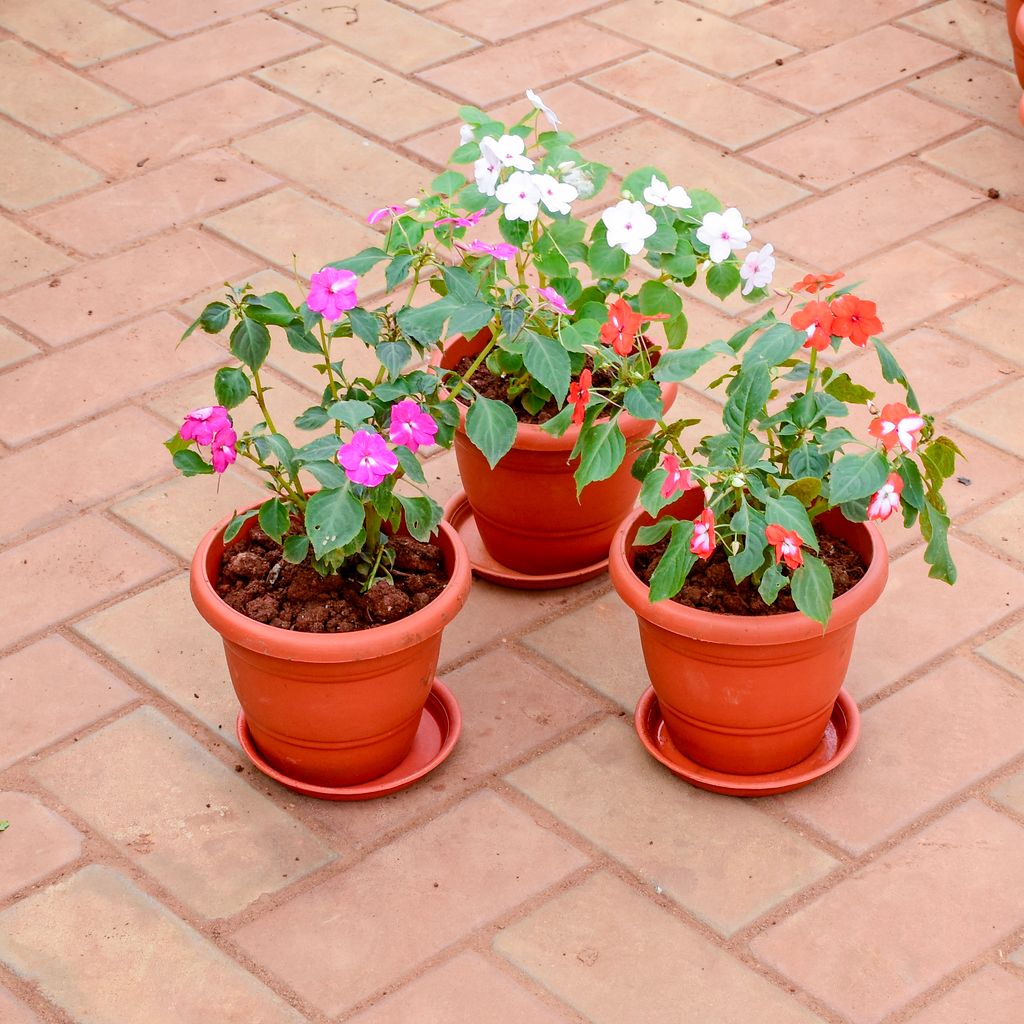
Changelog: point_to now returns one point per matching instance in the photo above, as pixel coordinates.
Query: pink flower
(223, 449)
(202, 425)
(678, 480)
(501, 251)
(787, 545)
(367, 459)
(554, 300)
(886, 499)
(702, 543)
(896, 426)
(462, 222)
(332, 291)
(384, 211)
(410, 426)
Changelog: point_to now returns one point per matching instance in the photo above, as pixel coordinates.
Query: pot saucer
(459, 514)
(839, 740)
(438, 732)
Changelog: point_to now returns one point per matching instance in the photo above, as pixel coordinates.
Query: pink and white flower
(702, 543)
(897, 425)
(723, 233)
(520, 197)
(332, 291)
(628, 224)
(366, 459)
(758, 268)
(410, 425)
(886, 499)
(787, 544)
(676, 480)
(222, 451)
(554, 194)
(487, 169)
(203, 425)
(510, 150)
(469, 221)
(659, 194)
(552, 117)
(384, 211)
(555, 301)
(500, 250)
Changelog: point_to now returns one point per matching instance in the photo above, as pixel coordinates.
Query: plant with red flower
(855, 319)
(579, 396)
(815, 282)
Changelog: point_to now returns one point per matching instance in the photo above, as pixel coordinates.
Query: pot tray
(438, 732)
(839, 740)
(460, 515)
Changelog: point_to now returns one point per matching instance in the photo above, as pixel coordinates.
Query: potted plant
(330, 595)
(542, 329)
(755, 554)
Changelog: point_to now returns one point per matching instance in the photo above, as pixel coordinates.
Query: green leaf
(474, 115)
(602, 448)
(682, 263)
(426, 324)
(515, 232)
(651, 498)
(312, 419)
(749, 523)
(811, 587)
(893, 372)
(214, 318)
(238, 520)
(393, 356)
(678, 366)
(935, 525)
(191, 463)
(648, 535)
(296, 548)
(656, 297)
(675, 564)
(274, 519)
(843, 388)
(4, 826)
(250, 343)
(559, 423)
(773, 580)
(603, 259)
(422, 514)
(491, 426)
(467, 153)
(302, 340)
(549, 364)
(328, 474)
(790, 514)
(398, 270)
(334, 516)
(702, 202)
(746, 401)
(676, 331)
(365, 325)
(362, 261)
(805, 489)
(723, 279)
(410, 464)
(857, 476)
(448, 183)
(351, 412)
(778, 343)
(643, 401)
(913, 485)
(231, 386)
(636, 181)
(272, 308)
(807, 460)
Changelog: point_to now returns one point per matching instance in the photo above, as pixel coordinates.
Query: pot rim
(743, 630)
(530, 436)
(292, 645)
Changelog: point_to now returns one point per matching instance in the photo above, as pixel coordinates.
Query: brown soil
(256, 581)
(497, 388)
(711, 587)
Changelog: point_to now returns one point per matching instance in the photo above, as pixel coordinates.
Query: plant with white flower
(758, 269)
(723, 234)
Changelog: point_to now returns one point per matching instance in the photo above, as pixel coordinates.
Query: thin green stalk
(261, 400)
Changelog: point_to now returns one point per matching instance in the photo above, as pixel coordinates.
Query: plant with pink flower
(411, 425)
(332, 292)
(366, 459)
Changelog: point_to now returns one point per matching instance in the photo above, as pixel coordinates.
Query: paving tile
(991, 996)
(864, 947)
(15, 1011)
(465, 990)
(966, 25)
(208, 117)
(530, 62)
(182, 816)
(35, 172)
(46, 96)
(700, 103)
(1002, 527)
(37, 843)
(987, 157)
(992, 236)
(26, 258)
(1011, 793)
(902, 769)
(677, 839)
(188, 15)
(868, 215)
(382, 31)
(79, 468)
(695, 165)
(874, 132)
(496, 20)
(997, 418)
(821, 80)
(13, 348)
(76, 31)
(694, 34)
(340, 165)
(975, 87)
(191, 63)
(109, 923)
(937, 616)
(993, 323)
(990, 474)
(730, 7)
(614, 956)
(360, 93)
(808, 24)
(105, 292)
(67, 571)
(1006, 650)
(453, 875)
(50, 690)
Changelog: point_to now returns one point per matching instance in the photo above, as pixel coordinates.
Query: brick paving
(549, 872)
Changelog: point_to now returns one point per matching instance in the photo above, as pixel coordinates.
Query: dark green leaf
(790, 514)
(302, 340)
(913, 485)
(274, 519)
(250, 342)
(549, 364)
(191, 463)
(857, 476)
(643, 401)
(410, 464)
(778, 343)
(678, 366)
(656, 297)
(272, 308)
(362, 261)
(559, 423)
(935, 525)
(422, 514)
(649, 535)
(334, 516)
(723, 279)
(811, 587)
(393, 356)
(491, 426)
(352, 413)
(747, 398)
(675, 564)
(312, 419)
(238, 520)
(398, 270)
(296, 548)
(328, 474)
(605, 260)
(214, 318)
(365, 325)
(231, 386)
(773, 580)
(893, 372)
(602, 448)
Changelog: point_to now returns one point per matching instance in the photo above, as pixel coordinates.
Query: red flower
(815, 282)
(622, 325)
(886, 499)
(818, 316)
(677, 479)
(579, 395)
(897, 425)
(702, 543)
(855, 319)
(787, 545)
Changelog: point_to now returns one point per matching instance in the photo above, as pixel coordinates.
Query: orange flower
(815, 282)
(818, 316)
(579, 395)
(622, 325)
(855, 319)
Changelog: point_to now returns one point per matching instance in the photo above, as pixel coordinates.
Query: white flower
(510, 149)
(520, 197)
(487, 168)
(555, 195)
(757, 269)
(722, 233)
(628, 225)
(578, 178)
(465, 134)
(543, 108)
(659, 194)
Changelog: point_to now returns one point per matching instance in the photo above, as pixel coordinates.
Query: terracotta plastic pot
(1015, 24)
(526, 508)
(331, 709)
(747, 694)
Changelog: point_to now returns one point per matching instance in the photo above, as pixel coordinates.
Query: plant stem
(484, 353)
(261, 400)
